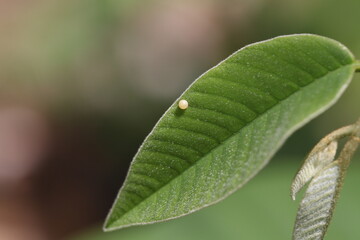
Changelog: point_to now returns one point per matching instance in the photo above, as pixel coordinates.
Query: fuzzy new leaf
(317, 206)
(315, 162)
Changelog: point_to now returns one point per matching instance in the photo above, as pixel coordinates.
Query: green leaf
(240, 112)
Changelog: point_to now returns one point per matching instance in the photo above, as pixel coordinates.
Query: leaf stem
(350, 146)
(334, 136)
(358, 123)
(357, 66)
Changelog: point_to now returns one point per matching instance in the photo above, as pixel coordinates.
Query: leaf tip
(105, 229)
(111, 226)
(107, 226)
(110, 222)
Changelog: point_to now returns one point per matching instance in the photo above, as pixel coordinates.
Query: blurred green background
(260, 210)
(83, 82)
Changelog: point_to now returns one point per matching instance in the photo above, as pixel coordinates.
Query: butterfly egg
(183, 104)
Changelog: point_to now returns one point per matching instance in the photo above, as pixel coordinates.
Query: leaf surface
(240, 112)
(313, 165)
(317, 207)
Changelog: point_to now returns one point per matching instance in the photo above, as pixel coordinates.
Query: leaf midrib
(233, 134)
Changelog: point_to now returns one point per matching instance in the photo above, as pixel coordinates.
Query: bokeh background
(83, 82)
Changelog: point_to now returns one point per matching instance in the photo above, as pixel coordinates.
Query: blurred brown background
(83, 82)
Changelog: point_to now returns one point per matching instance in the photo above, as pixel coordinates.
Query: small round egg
(183, 104)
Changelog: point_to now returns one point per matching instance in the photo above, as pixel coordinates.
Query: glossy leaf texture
(239, 113)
